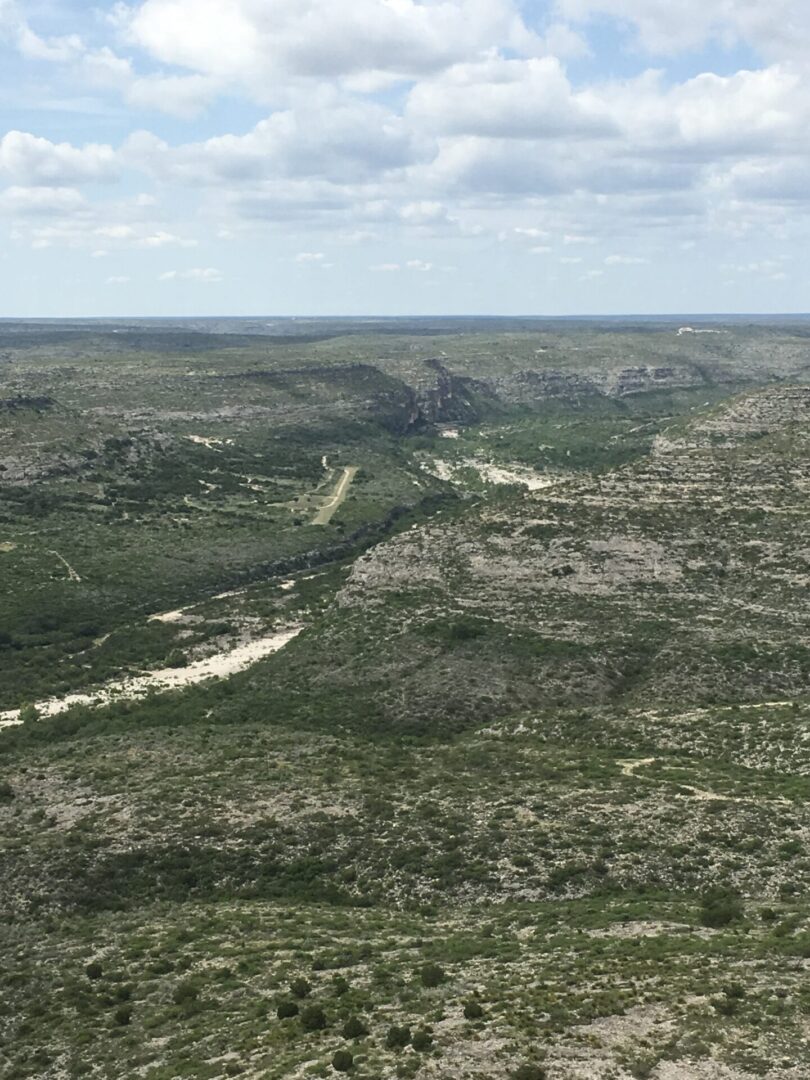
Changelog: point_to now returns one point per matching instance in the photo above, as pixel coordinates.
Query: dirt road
(324, 515)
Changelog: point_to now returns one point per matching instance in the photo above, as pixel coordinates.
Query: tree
(354, 1028)
(422, 1040)
(300, 988)
(313, 1018)
(431, 975)
(397, 1037)
(721, 906)
(342, 1061)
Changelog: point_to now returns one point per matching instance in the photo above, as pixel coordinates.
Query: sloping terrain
(526, 795)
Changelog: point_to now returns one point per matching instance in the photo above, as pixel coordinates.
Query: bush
(726, 1006)
(300, 988)
(721, 906)
(397, 1037)
(342, 1061)
(431, 975)
(354, 1028)
(313, 1018)
(340, 985)
(286, 1009)
(94, 970)
(422, 1040)
(123, 1015)
(529, 1072)
(6, 791)
(185, 993)
(473, 1011)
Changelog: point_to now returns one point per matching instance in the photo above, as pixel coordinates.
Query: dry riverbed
(220, 666)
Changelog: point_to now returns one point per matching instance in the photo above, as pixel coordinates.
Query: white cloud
(56, 49)
(412, 125)
(625, 260)
(501, 98)
(424, 212)
(203, 274)
(116, 232)
(118, 279)
(780, 28)
(32, 160)
(180, 95)
(335, 138)
(163, 239)
(41, 200)
(261, 43)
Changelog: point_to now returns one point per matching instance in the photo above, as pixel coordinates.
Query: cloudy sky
(404, 156)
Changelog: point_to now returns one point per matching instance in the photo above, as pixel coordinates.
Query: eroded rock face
(533, 387)
(698, 552)
(437, 559)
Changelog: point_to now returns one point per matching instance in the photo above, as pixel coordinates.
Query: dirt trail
(324, 515)
(629, 767)
(72, 575)
(219, 666)
(688, 791)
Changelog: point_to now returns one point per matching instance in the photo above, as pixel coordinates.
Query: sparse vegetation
(530, 787)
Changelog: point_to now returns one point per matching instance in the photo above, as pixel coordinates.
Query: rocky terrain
(524, 790)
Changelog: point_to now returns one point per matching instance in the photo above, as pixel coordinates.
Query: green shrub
(94, 970)
(397, 1037)
(726, 1006)
(300, 988)
(422, 1040)
(342, 1061)
(354, 1028)
(473, 1011)
(185, 993)
(529, 1072)
(313, 1018)
(123, 1015)
(286, 1009)
(431, 975)
(721, 906)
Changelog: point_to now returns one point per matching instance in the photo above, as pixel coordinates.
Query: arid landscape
(417, 699)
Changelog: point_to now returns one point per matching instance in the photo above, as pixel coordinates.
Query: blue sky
(291, 157)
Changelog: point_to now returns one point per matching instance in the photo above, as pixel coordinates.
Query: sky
(404, 157)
